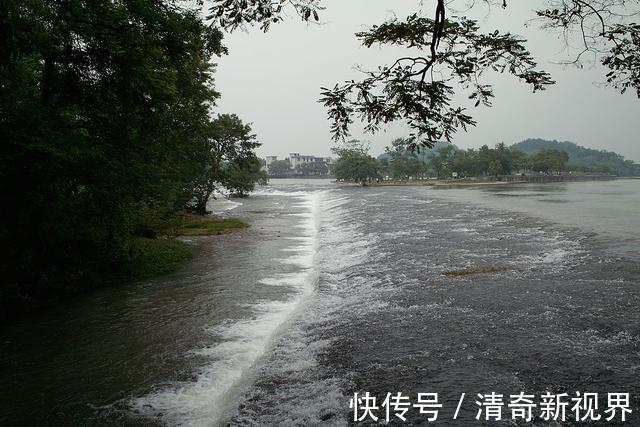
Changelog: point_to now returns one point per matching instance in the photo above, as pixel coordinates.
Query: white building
(270, 159)
(297, 159)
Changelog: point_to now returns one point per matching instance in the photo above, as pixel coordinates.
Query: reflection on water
(609, 208)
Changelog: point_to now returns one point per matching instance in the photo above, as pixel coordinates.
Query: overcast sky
(273, 80)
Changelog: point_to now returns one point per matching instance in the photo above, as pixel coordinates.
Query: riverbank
(93, 359)
(146, 258)
(505, 180)
(167, 254)
(436, 182)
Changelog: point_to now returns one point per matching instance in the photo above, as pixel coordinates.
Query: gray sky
(273, 80)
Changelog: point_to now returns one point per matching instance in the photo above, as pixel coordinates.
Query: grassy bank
(145, 258)
(155, 257)
(165, 254)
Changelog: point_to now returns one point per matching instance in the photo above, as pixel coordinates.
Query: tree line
(446, 161)
(107, 134)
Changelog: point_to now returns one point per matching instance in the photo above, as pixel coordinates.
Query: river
(342, 289)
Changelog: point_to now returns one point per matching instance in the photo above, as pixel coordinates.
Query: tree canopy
(313, 168)
(229, 159)
(106, 130)
(279, 168)
(448, 54)
(355, 164)
(583, 159)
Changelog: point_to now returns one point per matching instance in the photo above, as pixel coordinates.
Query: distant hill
(584, 159)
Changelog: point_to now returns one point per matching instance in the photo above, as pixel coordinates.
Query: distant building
(296, 159)
(270, 159)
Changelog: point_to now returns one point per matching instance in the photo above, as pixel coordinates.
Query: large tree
(229, 141)
(241, 175)
(355, 164)
(441, 161)
(104, 108)
(403, 167)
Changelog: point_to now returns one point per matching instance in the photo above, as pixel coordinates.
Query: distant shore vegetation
(532, 157)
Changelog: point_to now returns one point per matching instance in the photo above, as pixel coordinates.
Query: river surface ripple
(336, 290)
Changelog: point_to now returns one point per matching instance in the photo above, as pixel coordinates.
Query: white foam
(208, 399)
(204, 401)
(220, 203)
(464, 230)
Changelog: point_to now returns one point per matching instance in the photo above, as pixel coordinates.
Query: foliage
(355, 164)
(441, 161)
(313, 168)
(155, 257)
(242, 174)
(404, 167)
(106, 135)
(407, 90)
(584, 160)
(607, 32)
(233, 14)
(229, 141)
(495, 168)
(500, 160)
(447, 54)
(533, 155)
(279, 168)
(549, 160)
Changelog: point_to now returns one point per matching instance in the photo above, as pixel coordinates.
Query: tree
(355, 164)
(446, 54)
(242, 174)
(584, 160)
(495, 168)
(441, 160)
(104, 117)
(465, 163)
(549, 160)
(228, 140)
(407, 167)
(279, 168)
(313, 168)
(517, 159)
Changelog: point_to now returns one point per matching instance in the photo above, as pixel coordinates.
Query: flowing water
(342, 289)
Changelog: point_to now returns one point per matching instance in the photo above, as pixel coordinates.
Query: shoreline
(483, 183)
(149, 258)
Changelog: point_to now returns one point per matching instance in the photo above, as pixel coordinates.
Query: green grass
(476, 270)
(193, 225)
(155, 257)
